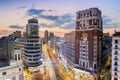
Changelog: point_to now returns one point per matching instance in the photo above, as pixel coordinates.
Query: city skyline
(84, 53)
(54, 15)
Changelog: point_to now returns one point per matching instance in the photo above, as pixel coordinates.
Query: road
(61, 73)
(51, 71)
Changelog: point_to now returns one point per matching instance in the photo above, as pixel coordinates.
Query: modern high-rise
(46, 36)
(88, 39)
(32, 47)
(51, 36)
(115, 70)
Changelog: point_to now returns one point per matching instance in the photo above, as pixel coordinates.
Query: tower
(88, 39)
(46, 36)
(32, 47)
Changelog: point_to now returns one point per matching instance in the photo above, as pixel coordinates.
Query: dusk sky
(55, 15)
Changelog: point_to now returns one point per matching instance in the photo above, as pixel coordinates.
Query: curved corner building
(32, 49)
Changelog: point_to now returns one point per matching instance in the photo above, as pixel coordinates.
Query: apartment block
(115, 70)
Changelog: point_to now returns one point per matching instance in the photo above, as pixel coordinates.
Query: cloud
(43, 25)
(70, 25)
(33, 6)
(32, 12)
(39, 13)
(4, 32)
(49, 17)
(65, 21)
(22, 7)
(16, 27)
(108, 22)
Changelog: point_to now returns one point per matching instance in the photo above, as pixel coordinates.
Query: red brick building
(88, 39)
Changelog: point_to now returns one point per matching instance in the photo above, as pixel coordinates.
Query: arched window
(116, 41)
(116, 46)
(116, 52)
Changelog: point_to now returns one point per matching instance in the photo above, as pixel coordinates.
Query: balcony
(32, 50)
(33, 64)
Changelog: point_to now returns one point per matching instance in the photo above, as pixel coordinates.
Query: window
(19, 69)
(116, 41)
(81, 16)
(35, 59)
(80, 63)
(84, 46)
(30, 59)
(115, 74)
(84, 15)
(90, 22)
(115, 68)
(94, 22)
(87, 64)
(116, 58)
(15, 57)
(28, 55)
(83, 23)
(90, 13)
(116, 46)
(116, 63)
(83, 50)
(87, 14)
(83, 64)
(36, 55)
(37, 45)
(18, 56)
(78, 24)
(94, 66)
(116, 52)
(4, 73)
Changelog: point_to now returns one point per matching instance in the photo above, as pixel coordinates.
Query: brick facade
(88, 39)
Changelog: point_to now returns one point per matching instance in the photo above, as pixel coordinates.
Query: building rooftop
(33, 20)
(106, 34)
(116, 34)
(89, 9)
(4, 63)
